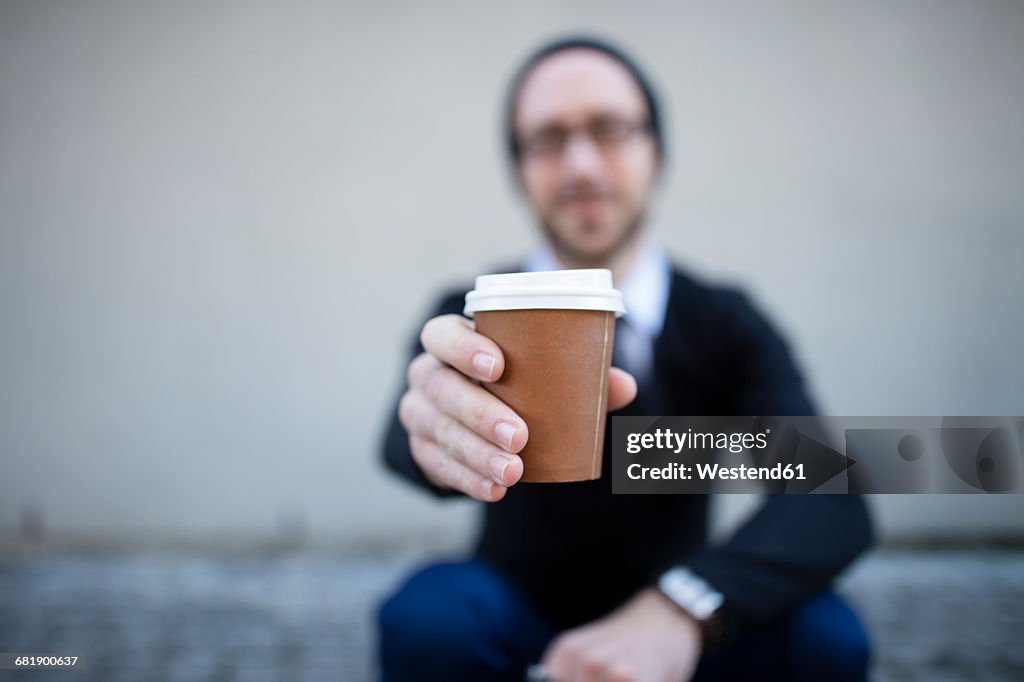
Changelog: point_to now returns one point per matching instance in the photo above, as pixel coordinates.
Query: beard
(588, 258)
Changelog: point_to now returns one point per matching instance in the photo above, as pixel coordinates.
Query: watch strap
(697, 599)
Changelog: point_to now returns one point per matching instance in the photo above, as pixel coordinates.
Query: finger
(473, 406)
(451, 339)
(422, 419)
(588, 669)
(559, 661)
(537, 673)
(621, 389)
(448, 472)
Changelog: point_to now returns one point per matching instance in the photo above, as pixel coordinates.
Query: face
(588, 163)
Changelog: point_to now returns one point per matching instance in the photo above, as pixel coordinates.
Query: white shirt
(644, 288)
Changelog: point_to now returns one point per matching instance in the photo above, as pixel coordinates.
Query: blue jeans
(463, 620)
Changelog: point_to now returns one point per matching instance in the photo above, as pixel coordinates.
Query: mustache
(584, 190)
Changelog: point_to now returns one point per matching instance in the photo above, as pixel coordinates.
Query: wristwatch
(697, 599)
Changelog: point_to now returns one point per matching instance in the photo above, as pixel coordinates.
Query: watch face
(691, 593)
(707, 605)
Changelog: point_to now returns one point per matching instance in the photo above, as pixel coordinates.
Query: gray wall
(221, 222)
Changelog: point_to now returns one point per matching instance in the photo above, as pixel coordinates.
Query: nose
(581, 157)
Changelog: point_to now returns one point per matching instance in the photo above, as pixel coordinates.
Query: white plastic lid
(589, 289)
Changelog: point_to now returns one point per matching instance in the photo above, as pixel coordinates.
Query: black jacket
(578, 551)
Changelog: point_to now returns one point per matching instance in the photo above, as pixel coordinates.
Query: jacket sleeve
(395, 446)
(794, 545)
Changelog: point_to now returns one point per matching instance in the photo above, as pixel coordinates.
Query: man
(569, 575)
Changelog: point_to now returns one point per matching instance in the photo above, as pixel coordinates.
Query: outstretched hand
(461, 435)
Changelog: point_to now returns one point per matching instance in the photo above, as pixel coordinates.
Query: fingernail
(487, 488)
(505, 433)
(498, 466)
(483, 364)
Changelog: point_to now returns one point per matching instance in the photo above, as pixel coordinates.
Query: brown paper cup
(556, 369)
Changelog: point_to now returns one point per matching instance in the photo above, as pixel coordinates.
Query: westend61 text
(709, 472)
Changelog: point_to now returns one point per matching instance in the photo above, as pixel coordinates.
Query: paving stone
(941, 615)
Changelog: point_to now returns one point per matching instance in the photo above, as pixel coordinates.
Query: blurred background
(222, 224)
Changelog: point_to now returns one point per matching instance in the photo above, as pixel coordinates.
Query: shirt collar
(645, 287)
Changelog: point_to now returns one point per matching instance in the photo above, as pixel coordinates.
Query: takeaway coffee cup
(556, 331)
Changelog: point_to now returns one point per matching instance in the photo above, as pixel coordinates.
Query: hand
(462, 436)
(648, 639)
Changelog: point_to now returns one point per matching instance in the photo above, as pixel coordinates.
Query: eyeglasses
(607, 133)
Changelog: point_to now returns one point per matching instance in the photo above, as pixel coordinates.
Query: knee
(419, 620)
(828, 641)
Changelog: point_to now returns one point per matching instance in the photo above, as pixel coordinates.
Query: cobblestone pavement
(162, 616)
(941, 616)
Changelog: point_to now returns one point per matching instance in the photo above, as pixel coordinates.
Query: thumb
(621, 389)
